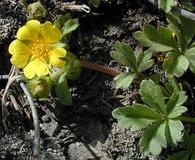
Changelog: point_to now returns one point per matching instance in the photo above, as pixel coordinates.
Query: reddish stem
(99, 68)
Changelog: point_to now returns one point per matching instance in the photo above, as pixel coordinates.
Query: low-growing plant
(162, 112)
(137, 62)
(41, 50)
(162, 119)
(175, 40)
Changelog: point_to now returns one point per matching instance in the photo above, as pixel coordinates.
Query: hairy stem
(99, 68)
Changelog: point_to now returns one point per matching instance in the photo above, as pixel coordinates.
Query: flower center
(40, 50)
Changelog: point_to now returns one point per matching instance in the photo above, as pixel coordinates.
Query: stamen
(40, 49)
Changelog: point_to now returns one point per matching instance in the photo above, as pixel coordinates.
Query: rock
(49, 127)
(78, 151)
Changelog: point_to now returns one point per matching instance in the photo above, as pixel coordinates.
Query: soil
(85, 130)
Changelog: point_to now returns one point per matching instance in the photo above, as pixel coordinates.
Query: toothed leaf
(124, 80)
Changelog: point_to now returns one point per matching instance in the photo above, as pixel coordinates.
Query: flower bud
(40, 87)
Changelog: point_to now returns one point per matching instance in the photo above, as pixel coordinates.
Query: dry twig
(13, 77)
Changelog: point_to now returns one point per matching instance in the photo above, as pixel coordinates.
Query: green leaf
(145, 65)
(152, 95)
(124, 54)
(176, 64)
(166, 4)
(143, 56)
(173, 106)
(166, 36)
(154, 139)
(190, 55)
(173, 131)
(61, 20)
(159, 134)
(183, 27)
(124, 80)
(161, 121)
(62, 90)
(151, 32)
(188, 28)
(158, 40)
(135, 117)
(144, 60)
(69, 26)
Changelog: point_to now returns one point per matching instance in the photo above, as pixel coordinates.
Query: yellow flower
(36, 47)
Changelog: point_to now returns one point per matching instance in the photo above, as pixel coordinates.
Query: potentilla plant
(161, 114)
(41, 51)
(175, 40)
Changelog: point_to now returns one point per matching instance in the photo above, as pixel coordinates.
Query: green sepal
(36, 10)
(40, 87)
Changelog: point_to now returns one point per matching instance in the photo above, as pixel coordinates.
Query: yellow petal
(19, 47)
(50, 33)
(56, 54)
(20, 53)
(36, 67)
(31, 31)
(20, 60)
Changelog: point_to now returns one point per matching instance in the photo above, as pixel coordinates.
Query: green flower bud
(40, 87)
(36, 10)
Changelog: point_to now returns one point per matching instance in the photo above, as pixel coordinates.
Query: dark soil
(85, 130)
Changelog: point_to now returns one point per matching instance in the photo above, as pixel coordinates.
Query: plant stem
(4, 77)
(36, 150)
(99, 68)
(186, 119)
